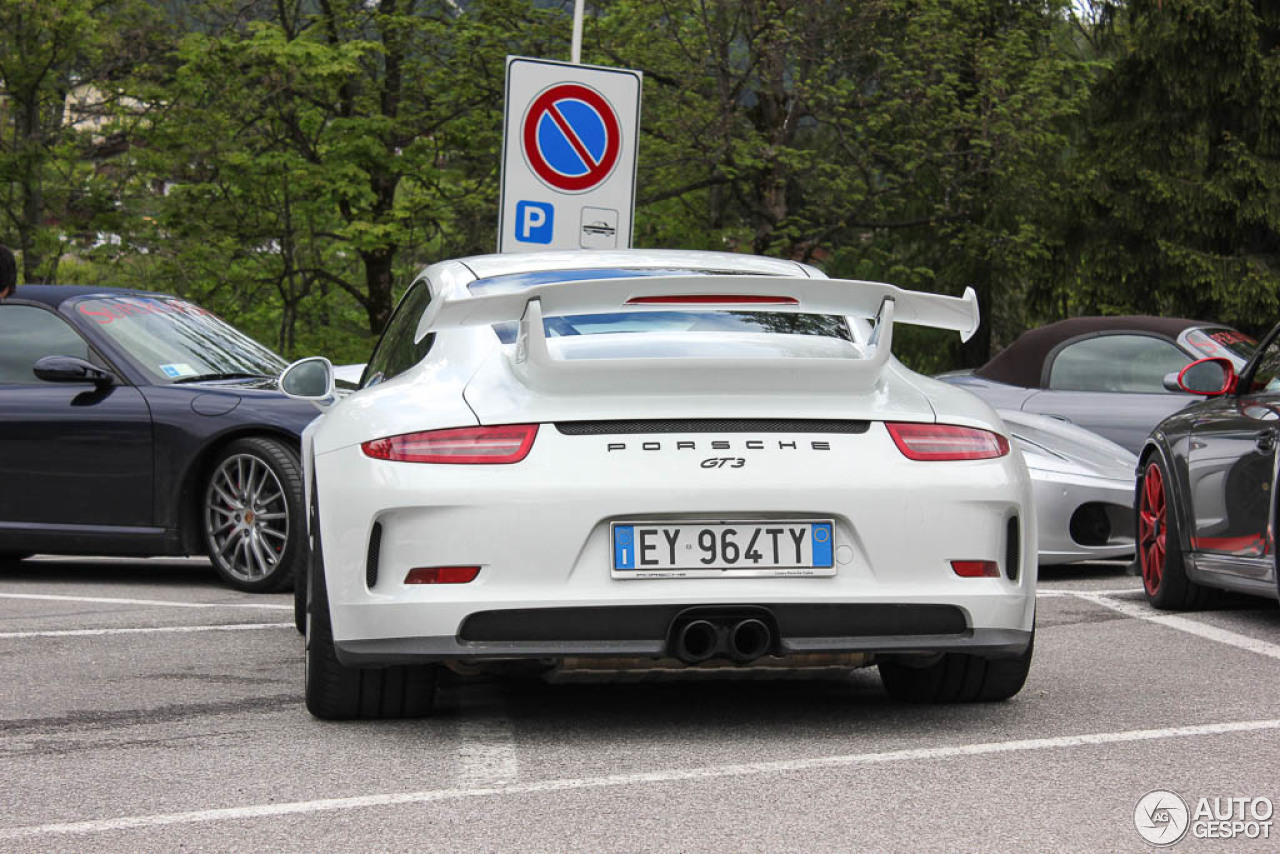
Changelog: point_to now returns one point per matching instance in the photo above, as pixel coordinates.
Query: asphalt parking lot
(147, 708)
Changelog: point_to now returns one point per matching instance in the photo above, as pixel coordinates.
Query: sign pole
(576, 54)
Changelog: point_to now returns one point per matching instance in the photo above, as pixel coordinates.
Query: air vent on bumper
(1012, 548)
(371, 560)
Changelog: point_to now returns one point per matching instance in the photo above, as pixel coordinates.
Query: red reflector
(713, 299)
(442, 575)
(946, 442)
(976, 568)
(509, 443)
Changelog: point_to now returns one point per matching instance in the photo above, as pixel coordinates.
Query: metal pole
(577, 32)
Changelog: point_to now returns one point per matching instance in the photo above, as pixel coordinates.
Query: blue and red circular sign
(572, 138)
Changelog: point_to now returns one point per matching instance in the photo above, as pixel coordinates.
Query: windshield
(1223, 342)
(767, 322)
(175, 341)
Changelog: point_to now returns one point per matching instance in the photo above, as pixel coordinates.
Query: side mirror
(70, 369)
(310, 379)
(1208, 377)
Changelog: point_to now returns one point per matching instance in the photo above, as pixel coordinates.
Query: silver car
(1083, 486)
(1106, 374)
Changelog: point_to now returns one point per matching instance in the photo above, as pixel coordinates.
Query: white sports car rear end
(660, 459)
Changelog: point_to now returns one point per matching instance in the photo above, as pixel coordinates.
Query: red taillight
(713, 299)
(975, 568)
(946, 442)
(509, 443)
(442, 575)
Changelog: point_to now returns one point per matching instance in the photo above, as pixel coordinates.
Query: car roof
(488, 266)
(1022, 362)
(56, 295)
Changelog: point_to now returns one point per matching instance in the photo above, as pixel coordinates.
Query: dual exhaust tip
(740, 640)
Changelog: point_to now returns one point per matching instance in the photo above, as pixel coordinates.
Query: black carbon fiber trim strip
(653, 622)
(375, 551)
(710, 425)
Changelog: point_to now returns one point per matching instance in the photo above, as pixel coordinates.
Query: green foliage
(919, 141)
(1180, 199)
(58, 64)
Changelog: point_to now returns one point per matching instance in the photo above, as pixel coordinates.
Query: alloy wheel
(246, 517)
(1153, 528)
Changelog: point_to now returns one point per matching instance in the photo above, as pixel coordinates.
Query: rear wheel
(1164, 574)
(251, 515)
(336, 692)
(958, 678)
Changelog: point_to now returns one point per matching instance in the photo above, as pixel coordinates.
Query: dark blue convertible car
(134, 423)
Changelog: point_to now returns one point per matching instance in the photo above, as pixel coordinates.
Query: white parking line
(76, 633)
(669, 776)
(1143, 611)
(487, 755)
(49, 597)
(1056, 594)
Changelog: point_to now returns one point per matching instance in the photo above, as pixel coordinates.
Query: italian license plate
(723, 549)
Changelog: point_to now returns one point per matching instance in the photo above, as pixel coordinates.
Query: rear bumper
(644, 631)
(540, 533)
(988, 643)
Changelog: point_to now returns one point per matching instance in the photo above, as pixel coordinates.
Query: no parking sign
(568, 156)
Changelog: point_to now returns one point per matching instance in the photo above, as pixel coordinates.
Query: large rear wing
(885, 304)
(843, 297)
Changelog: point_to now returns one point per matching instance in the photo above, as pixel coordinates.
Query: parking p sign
(568, 156)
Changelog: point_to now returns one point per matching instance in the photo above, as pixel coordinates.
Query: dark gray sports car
(134, 423)
(1106, 374)
(1206, 499)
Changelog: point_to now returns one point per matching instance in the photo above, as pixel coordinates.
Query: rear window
(762, 322)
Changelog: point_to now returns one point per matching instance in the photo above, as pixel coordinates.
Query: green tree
(319, 152)
(59, 60)
(1181, 215)
(917, 141)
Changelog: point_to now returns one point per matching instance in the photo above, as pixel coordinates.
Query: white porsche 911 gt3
(658, 459)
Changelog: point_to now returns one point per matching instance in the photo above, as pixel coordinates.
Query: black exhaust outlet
(695, 641)
(749, 639)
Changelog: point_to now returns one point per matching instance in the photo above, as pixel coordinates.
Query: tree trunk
(28, 141)
(380, 285)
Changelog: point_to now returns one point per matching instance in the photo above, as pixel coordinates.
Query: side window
(397, 352)
(1126, 363)
(28, 334)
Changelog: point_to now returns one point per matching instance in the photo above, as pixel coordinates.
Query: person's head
(8, 272)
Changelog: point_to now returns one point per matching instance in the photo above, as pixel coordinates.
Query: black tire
(14, 557)
(958, 678)
(257, 554)
(336, 692)
(1160, 558)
